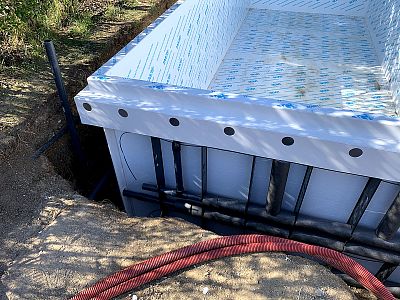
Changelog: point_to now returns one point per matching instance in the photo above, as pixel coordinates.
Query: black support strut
(303, 190)
(204, 166)
(385, 271)
(249, 196)
(203, 172)
(159, 169)
(391, 221)
(362, 203)
(176, 150)
(277, 184)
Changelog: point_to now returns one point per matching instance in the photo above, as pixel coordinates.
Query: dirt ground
(34, 199)
(87, 241)
(26, 187)
(30, 114)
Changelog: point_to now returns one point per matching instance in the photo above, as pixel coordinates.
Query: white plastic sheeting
(256, 56)
(319, 60)
(338, 7)
(188, 48)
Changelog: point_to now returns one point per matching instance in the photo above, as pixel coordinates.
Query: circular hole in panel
(174, 122)
(288, 141)
(123, 113)
(356, 152)
(87, 106)
(229, 131)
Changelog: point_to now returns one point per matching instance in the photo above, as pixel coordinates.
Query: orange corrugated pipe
(162, 265)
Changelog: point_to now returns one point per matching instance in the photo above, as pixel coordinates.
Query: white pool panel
(324, 60)
(323, 75)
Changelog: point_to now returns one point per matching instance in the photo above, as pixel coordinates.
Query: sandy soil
(87, 241)
(55, 261)
(26, 186)
(30, 114)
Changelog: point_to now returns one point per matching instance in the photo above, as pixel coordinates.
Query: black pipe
(317, 238)
(394, 289)
(172, 193)
(234, 207)
(52, 56)
(331, 234)
(382, 255)
(220, 214)
(337, 229)
(267, 229)
(196, 209)
(257, 212)
(189, 206)
(59, 134)
(367, 236)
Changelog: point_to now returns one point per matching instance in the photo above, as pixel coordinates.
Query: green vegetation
(25, 24)
(85, 33)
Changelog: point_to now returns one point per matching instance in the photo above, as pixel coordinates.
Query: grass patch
(112, 12)
(82, 25)
(83, 42)
(25, 24)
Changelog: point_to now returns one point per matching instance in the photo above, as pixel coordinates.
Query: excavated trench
(95, 179)
(96, 175)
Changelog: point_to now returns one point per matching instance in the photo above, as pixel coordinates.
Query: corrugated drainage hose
(162, 265)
